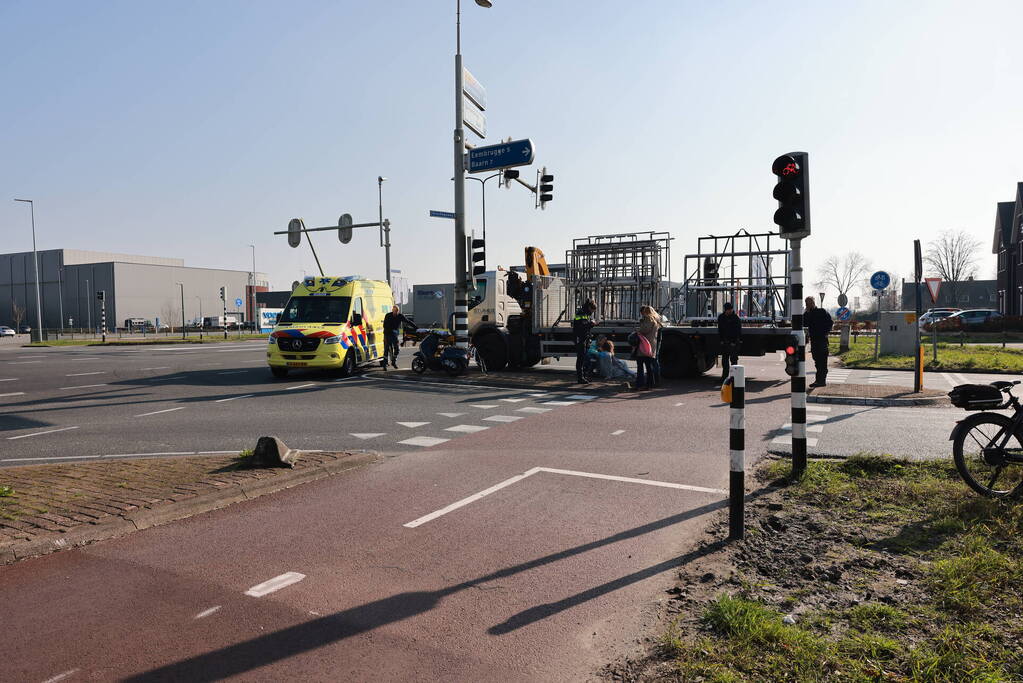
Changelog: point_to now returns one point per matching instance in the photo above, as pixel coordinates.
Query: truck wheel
(493, 349)
(278, 372)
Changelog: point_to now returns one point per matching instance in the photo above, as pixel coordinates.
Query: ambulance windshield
(316, 309)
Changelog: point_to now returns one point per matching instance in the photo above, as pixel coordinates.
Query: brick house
(1007, 245)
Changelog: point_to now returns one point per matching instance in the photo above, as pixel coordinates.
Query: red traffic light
(790, 350)
(786, 166)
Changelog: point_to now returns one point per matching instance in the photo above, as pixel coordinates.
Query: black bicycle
(988, 447)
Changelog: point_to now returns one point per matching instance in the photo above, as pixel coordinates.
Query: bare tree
(953, 258)
(843, 273)
(18, 313)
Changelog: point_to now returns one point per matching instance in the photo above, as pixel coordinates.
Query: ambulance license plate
(296, 364)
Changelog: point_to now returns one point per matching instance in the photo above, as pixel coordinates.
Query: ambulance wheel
(418, 365)
(278, 372)
(348, 367)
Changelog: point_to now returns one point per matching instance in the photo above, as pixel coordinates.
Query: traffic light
(223, 295)
(101, 295)
(545, 187)
(509, 175)
(793, 195)
(479, 258)
(710, 271)
(791, 362)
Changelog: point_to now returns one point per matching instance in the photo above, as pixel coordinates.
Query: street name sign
(880, 280)
(474, 90)
(933, 286)
(843, 314)
(473, 118)
(502, 155)
(442, 214)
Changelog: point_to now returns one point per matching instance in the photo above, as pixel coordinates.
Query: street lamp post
(35, 260)
(461, 276)
(182, 286)
(201, 321)
(252, 290)
(385, 229)
(483, 193)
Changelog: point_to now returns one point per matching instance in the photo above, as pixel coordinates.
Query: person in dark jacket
(729, 337)
(393, 323)
(818, 325)
(581, 326)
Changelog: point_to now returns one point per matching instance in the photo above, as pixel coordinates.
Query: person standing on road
(648, 373)
(729, 338)
(581, 326)
(393, 324)
(818, 326)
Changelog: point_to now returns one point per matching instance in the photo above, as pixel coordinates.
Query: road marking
(302, 386)
(424, 441)
(512, 400)
(119, 455)
(412, 425)
(368, 436)
(539, 395)
(679, 404)
(233, 398)
(232, 372)
(581, 397)
(960, 378)
(83, 374)
(274, 584)
(157, 412)
(9, 379)
(534, 409)
(822, 409)
(49, 431)
(61, 677)
(23, 362)
(206, 612)
(503, 418)
(617, 432)
(83, 386)
(482, 406)
(528, 473)
(159, 367)
(13, 393)
(559, 403)
(451, 414)
(814, 429)
(449, 385)
(468, 429)
(787, 439)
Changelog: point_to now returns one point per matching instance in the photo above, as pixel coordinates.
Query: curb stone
(888, 402)
(170, 512)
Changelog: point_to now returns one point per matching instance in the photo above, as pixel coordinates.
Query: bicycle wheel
(479, 361)
(980, 459)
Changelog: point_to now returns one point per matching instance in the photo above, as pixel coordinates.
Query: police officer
(818, 325)
(729, 338)
(581, 326)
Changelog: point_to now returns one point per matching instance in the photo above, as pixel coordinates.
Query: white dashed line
(157, 412)
(161, 367)
(503, 418)
(13, 393)
(206, 612)
(302, 386)
(534, 409)
(233, 398)
(467, 429)
(9, 379)
(23, 362)
(412, 425)
(617, 432)
(559, 403)
(451, 414)
(274, 584)
(61, 677)
(424, 441)
(49, 431)
(83, 374)
(679, 404)
(368, 436)
(83, 386)
(482, 406)
(513, 400)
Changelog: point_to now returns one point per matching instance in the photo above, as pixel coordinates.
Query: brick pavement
(51, 507)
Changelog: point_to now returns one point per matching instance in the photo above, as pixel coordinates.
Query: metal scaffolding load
(620, 273)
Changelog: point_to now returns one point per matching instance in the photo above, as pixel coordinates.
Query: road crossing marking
(233, 398)
(822, 409)
(788, 440)
(451, 414)
(274, 584)
(581, 397)
(512, 400)
(412, 425)
(536, 470)
(617, 432)
(206, 612)
(467, 429)
(49, 431)
(534, 409)
(482, 406)
(369, 436)
(157, 412)
(815, 429)
(503, 418)
(559, 403)
(679, 404)
(424, 441)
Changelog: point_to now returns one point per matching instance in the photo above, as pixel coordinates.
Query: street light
(252, 292)
(35, 260)
(483, 193)
(461, 304)
(179, 284)
(385, 230)
(201, 321)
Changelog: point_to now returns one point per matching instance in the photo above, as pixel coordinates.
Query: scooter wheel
(418, 365)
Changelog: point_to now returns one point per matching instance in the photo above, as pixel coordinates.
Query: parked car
(969, 320)
(934, 315)
(24, 329)
(7, 331)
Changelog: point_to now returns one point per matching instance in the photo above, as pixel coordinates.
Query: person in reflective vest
(581, 326)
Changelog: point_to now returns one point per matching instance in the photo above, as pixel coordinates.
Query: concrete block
(271, 452)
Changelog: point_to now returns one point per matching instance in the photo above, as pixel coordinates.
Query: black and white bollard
(799, 380)
(737, 454)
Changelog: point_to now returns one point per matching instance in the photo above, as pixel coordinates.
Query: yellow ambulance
(333, 323)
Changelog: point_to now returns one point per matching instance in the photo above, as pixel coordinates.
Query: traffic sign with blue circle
(237, 302)
(843, 314)
(880, 280)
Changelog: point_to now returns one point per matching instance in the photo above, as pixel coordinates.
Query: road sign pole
(223, 300)
(799, 379)
(918, 379)
(461, 303)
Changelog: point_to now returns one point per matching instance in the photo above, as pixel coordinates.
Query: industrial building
(150, 288)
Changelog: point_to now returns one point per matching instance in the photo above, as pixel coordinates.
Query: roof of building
(1003, 226)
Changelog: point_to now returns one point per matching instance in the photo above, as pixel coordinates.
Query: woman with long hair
(648, 370)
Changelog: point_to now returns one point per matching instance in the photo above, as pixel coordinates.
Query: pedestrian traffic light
(101, 295)
(710, 271)
(793, 195)
(791, 362)
(223, 296)
(479, 258)
(545, 187)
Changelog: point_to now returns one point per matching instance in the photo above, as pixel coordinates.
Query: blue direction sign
(442, 214)
(503, 155)
(238, 302)
(880, 280)
(843, 314)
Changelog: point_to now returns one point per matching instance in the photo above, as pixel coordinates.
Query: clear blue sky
(192, 129)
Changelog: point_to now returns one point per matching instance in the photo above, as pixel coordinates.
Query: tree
(843, 273)
(953, 258)
(18, 313)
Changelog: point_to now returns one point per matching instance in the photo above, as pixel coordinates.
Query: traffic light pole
(461, 271)
(223, 300)
(799, 379)
(103, 316)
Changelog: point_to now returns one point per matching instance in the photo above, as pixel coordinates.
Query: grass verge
(951, 357)
(144, 342)
(871, 569)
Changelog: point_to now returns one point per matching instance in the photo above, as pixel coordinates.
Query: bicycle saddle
(1002, 385)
